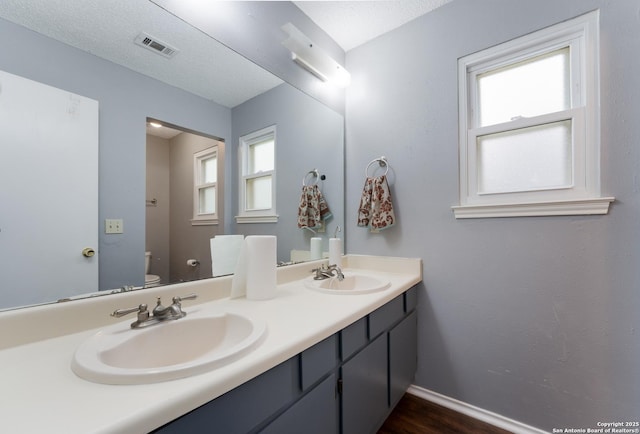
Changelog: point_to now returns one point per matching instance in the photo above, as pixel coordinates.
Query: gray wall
(309, 135)
(170, 236)
(158, 172)
(189, 241)
(535, 319)
(126, 99)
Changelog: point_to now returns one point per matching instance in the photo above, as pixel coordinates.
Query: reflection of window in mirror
(257, 186)
(205, 179)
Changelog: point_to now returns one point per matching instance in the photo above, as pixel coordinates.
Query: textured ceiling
(107, 28)
(352, 23)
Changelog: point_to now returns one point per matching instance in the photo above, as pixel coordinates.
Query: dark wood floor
(413, 415)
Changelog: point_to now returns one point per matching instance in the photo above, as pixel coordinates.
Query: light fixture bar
(306, 65)
(312, 58)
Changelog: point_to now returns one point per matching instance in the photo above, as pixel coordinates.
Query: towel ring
(382, 161)
(315, 175)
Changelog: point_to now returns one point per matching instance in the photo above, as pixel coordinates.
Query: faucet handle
(177, 299)
(176, 307)
(122, 312)
(141, 309)
(321, 267)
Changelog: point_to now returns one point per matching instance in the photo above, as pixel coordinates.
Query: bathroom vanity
(347, 383)
(327, 364)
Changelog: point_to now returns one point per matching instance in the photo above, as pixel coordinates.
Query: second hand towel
(376, 209)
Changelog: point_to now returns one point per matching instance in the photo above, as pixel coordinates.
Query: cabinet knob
(88, 252)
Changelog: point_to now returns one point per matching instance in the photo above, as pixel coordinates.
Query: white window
(205, 191)
(258, 177)
(529, 125)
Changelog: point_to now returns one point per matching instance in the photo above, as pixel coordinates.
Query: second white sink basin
(353, 283)
(166, 351)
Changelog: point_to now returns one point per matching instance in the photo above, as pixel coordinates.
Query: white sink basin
(353, 283)
(166, 351)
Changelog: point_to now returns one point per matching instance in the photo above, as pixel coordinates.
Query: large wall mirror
(206, 90)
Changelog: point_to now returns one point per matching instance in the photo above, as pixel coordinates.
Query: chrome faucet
(159, 314)
(327, 272)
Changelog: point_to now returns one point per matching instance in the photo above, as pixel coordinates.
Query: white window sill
(590, 206)
(256, 219)
(204, 222)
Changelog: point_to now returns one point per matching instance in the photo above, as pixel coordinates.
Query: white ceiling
(352, 23)
(107, 28)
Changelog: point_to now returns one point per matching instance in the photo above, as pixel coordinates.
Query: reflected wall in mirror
(176, 229)
(309, 136)
(135, 84)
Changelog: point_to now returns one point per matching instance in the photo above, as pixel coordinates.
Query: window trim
(268, 215)
(584, 197)
(557, 193)
(204, 219)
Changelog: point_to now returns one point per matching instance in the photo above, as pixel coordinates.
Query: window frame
(267, 215)
(583, 196)
(198, 184)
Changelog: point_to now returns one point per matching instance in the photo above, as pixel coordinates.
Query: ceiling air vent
(155, 45)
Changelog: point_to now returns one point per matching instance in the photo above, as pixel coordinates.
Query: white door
(48, 192)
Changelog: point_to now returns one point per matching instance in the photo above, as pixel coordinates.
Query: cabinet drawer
(315, 413)
(318, 360)
(411, 299)
(240, 410)
(385, 316)
(353, 338)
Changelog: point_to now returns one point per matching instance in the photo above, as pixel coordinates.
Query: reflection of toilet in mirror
(149, 279)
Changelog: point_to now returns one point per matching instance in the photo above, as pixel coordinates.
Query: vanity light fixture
(312, 58)
(155, 124)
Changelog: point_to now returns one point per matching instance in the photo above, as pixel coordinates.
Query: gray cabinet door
(365, 389)
(315, 413)
(403, 357)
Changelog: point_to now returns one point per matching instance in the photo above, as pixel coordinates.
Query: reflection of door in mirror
(184, 203)
(48, 192)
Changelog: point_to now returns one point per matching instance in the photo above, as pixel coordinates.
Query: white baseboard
(474, 412)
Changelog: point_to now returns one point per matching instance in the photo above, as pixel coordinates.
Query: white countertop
(40, 393)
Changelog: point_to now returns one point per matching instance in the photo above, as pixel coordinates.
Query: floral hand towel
(313, 209)
(376, 210)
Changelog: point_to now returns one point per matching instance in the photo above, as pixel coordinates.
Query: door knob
(88, 252)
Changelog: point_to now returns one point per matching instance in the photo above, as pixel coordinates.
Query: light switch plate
(113, 226)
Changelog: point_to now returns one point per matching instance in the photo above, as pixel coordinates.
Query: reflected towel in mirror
(313, 208)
